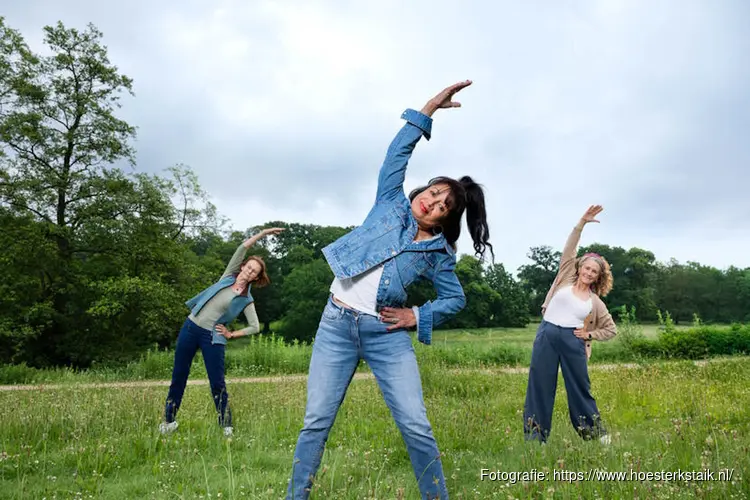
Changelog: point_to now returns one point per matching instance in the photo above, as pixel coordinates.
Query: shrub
(698, 342)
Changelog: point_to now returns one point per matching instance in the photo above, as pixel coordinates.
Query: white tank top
(567, 310)
(360, 292)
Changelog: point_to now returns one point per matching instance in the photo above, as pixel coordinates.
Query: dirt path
(288, 378)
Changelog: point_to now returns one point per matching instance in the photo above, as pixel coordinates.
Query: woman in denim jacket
(205, 328)
(402, 240)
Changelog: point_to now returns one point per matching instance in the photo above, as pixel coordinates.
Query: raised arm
(239, 255)
(418, 123)
(567, 266)
(571, 245)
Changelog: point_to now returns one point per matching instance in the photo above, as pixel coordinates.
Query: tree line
(98, 260)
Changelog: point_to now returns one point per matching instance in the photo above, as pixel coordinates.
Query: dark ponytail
(465, 195)
(476, 216)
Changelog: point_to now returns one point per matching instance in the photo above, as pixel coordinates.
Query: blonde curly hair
(603, 285)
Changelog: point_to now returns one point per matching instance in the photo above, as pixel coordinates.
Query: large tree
(60, 133)
(109, 263)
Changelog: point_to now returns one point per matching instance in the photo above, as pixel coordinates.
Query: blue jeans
(190, 339)
(344, 337)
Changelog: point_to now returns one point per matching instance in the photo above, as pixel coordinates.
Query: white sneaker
(166, 428)
(228, 431)
(605, 439)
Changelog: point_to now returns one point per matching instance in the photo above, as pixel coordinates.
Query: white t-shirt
(359, 292)
(567, 310)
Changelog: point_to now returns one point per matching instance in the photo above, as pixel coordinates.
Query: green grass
(268, 355)
(521, 337)
(103, 443)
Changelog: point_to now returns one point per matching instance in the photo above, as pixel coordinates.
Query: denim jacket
(387, 236)
(236, 306)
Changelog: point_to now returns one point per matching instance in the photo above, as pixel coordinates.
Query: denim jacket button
(393, 252)
(387, 282)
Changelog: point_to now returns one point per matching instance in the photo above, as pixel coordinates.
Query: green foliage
(511, 306)
(700, 341)
(629, 332)
(634, 272)
(537, 277)
(97, 262)
(705, 341)
(24, 264)
(697, 320)
(305, 291)
(493, 297)
(665, 321)
(82, 231)
(124, 304)
(715, 296)
(480, 298)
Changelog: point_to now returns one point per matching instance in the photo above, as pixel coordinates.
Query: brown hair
(262, 279)
(603, 284)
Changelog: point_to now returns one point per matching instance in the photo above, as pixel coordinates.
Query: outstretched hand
(444, 98)
(271, 231)
(400, 317)
(266, 232)
(591, 213)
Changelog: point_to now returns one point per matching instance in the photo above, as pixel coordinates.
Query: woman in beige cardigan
(573, 316)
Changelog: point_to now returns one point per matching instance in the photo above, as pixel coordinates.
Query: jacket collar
(430, 244)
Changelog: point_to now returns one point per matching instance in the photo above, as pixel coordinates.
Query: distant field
(267, 355)
(521, 337)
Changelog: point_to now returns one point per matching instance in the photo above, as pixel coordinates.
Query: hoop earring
(435, 231)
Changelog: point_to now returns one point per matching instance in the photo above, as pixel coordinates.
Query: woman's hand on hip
(399, 317)
(581, 333)
(443, 99)
(224, 332)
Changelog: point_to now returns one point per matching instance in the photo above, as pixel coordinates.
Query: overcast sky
(285, 109)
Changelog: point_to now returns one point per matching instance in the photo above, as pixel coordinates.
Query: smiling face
(589, 271)
(431, 205)
(250, 271)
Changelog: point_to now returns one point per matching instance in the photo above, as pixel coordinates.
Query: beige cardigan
(599, 322)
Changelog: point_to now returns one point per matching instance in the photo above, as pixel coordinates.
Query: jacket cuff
(419, 120)
(424, 324)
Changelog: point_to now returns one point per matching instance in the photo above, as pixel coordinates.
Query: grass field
(103, 443)
(522, 337)
(265, 355)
